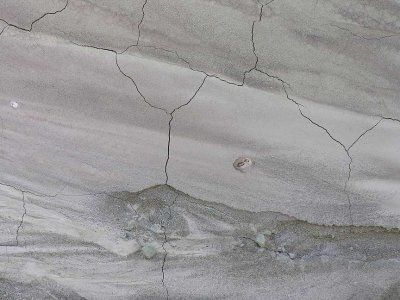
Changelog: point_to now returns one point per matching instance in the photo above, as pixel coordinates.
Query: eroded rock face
(162, 209)
(263, 246)
(161, 232)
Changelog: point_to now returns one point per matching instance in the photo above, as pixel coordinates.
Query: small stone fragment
(131, 225)
(14, 104)
(292, 255)
(242, 163)
(282, 249)
(149, 251)
(260, 240)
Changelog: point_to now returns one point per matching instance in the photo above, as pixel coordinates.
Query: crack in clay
(123, 73)
(171, 114)
(3, 29)
(363, 37)
(188, 64)
(346, 149)
(22, 220)
(170, 125)
(164, 260)
(38, 195)
(36, 20)
(163, 246)
(254, 68)
(23, 192)
(299, 106)
(390, 119)
(140, 23)
(136, 86)
(349, 174)
(245, 73)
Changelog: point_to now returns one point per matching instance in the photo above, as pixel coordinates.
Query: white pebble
(14, 104)
(260, 240)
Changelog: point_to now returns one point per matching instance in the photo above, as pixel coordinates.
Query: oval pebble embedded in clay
(242, 164)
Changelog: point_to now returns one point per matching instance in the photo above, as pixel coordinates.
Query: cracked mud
(217, 101)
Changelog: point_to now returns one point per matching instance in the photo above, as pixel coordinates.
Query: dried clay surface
(187, 149)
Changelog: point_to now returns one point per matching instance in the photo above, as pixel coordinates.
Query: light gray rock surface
(121, 122)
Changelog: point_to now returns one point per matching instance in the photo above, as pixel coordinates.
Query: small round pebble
(242, 163)
(14, 104)
(260, 240)
(149, 251)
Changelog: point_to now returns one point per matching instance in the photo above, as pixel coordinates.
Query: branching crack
(337, 141)
(255, 67)
(170, 124)
(136, 86)
(349, 166)
(171, 114)
(36, 20)
(123, 72)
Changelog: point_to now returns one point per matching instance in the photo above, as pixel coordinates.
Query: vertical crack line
(168, 148)
(170, 125)
(349, 166)
(140, 23)
(36, 20)
(164, 260)
(252, 41)
(253, 48)
(163, 245)
(22, 219)
(347, 193)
